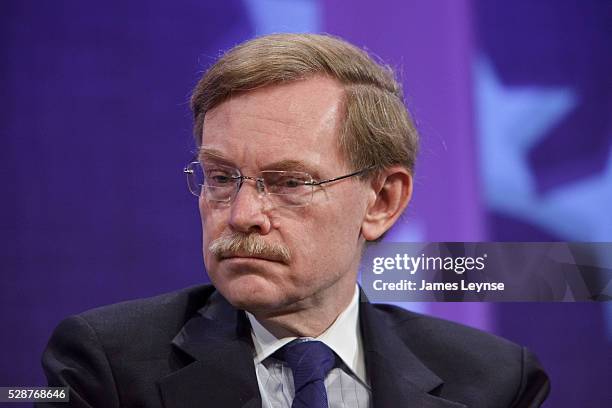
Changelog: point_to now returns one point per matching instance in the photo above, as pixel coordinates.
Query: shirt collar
(343, 337)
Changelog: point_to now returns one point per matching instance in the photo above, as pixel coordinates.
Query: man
(305, 153)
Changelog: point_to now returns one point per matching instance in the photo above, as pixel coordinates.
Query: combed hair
(376, 128)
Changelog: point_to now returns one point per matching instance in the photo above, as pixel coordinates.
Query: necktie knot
(310, 361)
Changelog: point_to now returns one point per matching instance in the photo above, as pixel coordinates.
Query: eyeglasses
(219, 183)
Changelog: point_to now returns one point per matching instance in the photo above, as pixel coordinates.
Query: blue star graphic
(511, 120)
(274, 16)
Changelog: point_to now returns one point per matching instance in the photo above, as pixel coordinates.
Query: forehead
(295, 121)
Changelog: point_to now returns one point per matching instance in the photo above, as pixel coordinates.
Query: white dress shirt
(346, 384)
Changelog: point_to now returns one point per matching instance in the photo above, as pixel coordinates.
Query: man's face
(284, 127)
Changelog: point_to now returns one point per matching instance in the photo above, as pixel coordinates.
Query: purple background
(513, 101)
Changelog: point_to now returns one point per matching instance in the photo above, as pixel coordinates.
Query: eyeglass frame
(260, 182)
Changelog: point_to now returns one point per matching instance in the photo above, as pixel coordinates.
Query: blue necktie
(310, 362)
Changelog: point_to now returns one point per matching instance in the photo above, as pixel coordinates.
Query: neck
(307, 320)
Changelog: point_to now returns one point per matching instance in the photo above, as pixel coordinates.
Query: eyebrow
(290, 165)
(205, 153)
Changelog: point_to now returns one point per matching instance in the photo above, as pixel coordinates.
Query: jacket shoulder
(161, 316)
(417, 329)
(121, 348)
(141, 328)
(464, 356)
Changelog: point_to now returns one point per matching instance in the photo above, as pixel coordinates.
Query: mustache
(239, 244)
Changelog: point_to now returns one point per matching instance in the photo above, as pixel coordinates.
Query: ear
(390, 193)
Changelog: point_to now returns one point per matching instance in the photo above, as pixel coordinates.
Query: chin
(252, 293)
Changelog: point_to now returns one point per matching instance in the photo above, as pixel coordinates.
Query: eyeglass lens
(221, 184)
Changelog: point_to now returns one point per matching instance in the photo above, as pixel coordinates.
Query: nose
(248, 213)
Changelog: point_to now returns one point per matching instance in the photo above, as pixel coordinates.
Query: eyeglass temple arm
(318, 183)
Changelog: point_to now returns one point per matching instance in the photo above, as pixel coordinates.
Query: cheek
(341, 227)
(213, 224)
(344, 215)
(211, 216)
(327, 241)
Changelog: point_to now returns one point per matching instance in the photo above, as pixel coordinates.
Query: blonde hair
(376, 127)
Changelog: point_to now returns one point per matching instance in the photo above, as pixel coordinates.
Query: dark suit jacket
(191, 348)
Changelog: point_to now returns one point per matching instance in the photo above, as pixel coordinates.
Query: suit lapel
(223, 374)
(397, 376)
